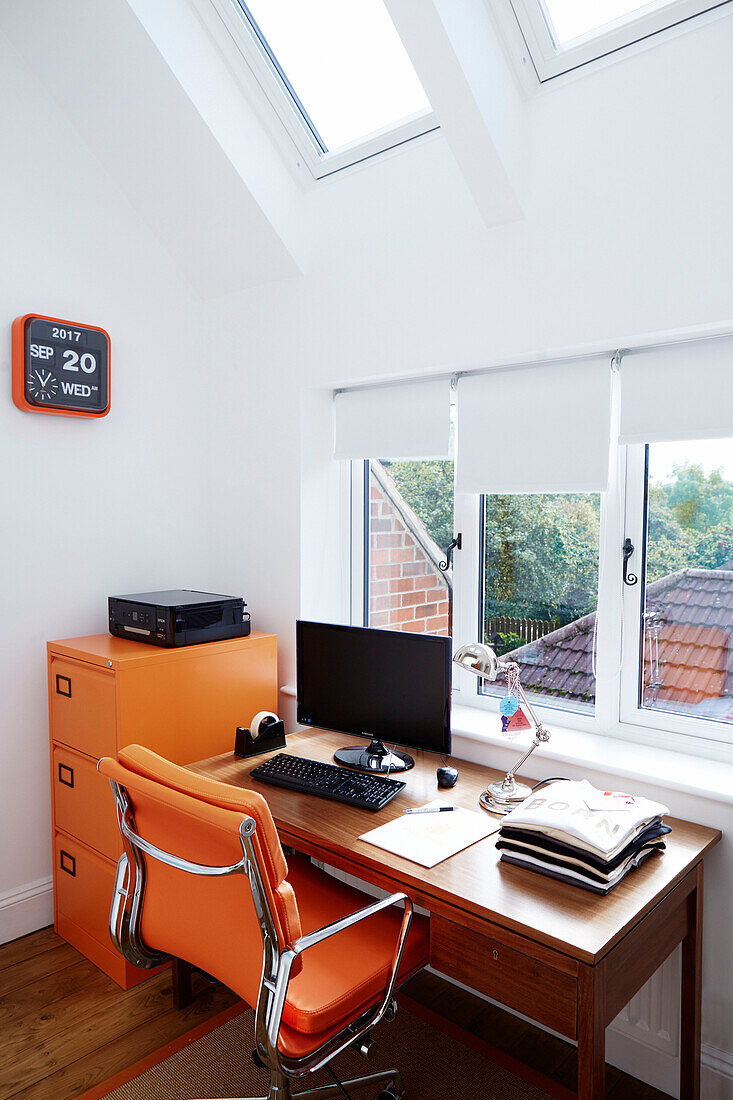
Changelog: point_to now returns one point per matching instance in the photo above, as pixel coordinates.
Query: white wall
(88, 508)
(628, 231)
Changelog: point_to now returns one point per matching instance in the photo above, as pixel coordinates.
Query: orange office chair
(203, 878)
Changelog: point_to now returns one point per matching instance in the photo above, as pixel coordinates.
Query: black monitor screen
(385, 684)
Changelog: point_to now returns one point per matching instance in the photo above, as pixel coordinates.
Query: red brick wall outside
(406, 590)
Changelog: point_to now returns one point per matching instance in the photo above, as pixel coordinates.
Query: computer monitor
(387, 685)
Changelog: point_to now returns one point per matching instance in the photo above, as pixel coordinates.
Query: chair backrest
(210, 922)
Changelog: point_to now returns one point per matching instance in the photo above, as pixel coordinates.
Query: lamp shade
(479, 659)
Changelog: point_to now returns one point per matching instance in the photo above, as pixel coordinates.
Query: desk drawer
(83, 712)
(539, 991)
(83, 801)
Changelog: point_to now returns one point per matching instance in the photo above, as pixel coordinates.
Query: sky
(346, 63)
(711, 454)
(572, 18)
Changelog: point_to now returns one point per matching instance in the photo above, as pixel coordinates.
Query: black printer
(179, 617)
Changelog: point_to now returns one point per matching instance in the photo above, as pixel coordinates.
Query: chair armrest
(290, 954)
(328, 930)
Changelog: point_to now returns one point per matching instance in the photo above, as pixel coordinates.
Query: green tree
(689, 522)
(541, 555)
(663, 521)
(699, 500)
(428, 488)
(541, 551)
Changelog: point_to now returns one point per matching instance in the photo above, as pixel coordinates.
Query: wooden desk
(565, 957)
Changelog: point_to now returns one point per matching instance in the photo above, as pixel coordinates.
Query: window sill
(649, 764)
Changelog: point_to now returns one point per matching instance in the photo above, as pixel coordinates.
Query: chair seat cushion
(348, 973)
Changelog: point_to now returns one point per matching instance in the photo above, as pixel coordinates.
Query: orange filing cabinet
(105, 693)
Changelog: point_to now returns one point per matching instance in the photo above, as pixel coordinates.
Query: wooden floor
(65, 1026)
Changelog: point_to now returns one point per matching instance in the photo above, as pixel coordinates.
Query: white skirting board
(716, 1074)
(26, 909)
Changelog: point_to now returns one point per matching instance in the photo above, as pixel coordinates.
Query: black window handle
(456, 544)
(628, 550)
(66, 775)
(67, 863)
(66, 689)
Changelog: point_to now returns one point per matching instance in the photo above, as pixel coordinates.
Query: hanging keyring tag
(512, 718)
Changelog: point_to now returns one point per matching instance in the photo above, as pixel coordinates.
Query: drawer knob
(63, 685)
(67, 863)
(66, 775)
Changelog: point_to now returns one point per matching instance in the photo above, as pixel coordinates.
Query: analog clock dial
(41, 384)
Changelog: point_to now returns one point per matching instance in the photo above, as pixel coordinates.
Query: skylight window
(564, 34)
(339, 76)
(571, 20)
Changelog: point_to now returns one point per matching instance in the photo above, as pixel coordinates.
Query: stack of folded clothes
(589, 838)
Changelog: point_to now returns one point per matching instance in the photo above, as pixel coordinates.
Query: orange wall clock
(59, 367)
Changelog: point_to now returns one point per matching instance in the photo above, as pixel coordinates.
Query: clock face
(41, 385)
(65, 367)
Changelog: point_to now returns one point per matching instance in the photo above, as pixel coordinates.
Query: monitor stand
(376, 757)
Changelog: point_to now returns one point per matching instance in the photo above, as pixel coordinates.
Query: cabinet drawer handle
(69, 865)
(66, 682)
(66, 775)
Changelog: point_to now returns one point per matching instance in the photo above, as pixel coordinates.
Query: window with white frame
(525, 579)
(403, 521)
(678, 658)
(408, 582)
(636, 642)
(337, 75)
(564, 34)
(538, 592)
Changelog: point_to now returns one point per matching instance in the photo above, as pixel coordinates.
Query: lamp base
(503, 797)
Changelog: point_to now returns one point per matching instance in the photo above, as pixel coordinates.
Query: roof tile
(695, 645)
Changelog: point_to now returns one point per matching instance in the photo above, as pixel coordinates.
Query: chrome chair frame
(124, 925)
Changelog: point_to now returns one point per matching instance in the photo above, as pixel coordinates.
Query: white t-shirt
(600, 821)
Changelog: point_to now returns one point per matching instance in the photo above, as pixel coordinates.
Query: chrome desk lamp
(501, 798)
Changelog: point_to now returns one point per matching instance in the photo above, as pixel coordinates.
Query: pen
(430, 810)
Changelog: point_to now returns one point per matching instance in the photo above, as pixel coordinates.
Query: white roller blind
(540, 429)
(400, 421)
(679, 392)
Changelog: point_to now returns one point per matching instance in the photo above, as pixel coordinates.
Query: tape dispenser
(265, 734)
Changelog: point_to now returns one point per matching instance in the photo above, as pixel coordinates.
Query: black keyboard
(369, 792)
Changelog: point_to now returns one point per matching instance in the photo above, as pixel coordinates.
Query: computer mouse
(447, 776)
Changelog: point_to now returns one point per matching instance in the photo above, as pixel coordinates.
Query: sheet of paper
(428, 839)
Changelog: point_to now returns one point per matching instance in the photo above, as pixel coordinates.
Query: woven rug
(433, 1065)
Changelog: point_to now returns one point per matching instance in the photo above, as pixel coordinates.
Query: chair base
(280, 1087)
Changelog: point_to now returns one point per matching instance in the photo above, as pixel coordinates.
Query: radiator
(652, 1017)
